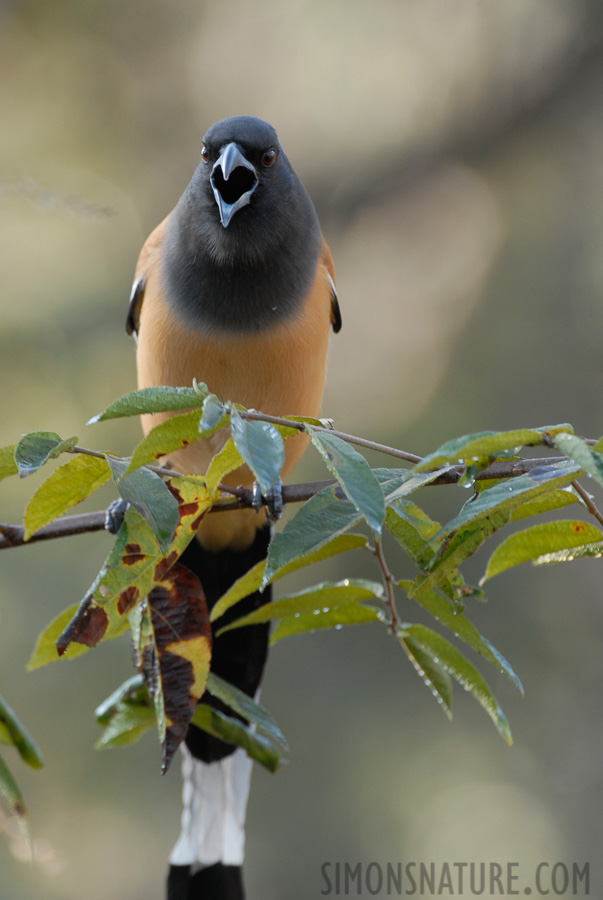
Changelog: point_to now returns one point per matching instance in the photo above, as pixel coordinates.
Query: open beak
(233, 180)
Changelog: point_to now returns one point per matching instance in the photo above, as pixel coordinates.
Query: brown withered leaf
(173, 645)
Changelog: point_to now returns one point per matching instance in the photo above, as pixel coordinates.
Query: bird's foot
(272, 500)
(114, 515)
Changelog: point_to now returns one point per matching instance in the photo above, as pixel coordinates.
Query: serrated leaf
(354, 475)
(578, 451)
(245, 706)
(253, 580)
(68, 485)
(233, 731)
(172, 434)
(149, 494)
(172, 643)
(151, 400)
(13, 732)
(320, 597)
(316, 620)
(227, 460)
(459, 668)
(126, 715)
(434, 676)
(534, 542)
(451, 617)
(261, 448)
(318, 521)
(37, 447)
(8, 466)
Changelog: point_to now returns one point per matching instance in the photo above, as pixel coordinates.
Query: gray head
(242, 243)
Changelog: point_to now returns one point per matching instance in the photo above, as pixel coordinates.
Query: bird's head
(245, 184)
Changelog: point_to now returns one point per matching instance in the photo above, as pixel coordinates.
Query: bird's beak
(233, 180)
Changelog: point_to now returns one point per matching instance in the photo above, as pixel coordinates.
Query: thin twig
(388, 580)
(158, 470)
(13, 535)
(350, 438)
(588, 502)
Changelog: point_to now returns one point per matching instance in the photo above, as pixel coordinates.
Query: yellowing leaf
(227, 460)
(529, 545)
(68, 485)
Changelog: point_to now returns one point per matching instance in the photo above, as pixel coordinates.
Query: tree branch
(588, 502)
(65, 526)
(388, 580)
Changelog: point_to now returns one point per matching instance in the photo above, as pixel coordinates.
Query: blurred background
(454, 150)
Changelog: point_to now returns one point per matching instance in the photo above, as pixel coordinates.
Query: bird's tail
(207, 858)
(206, 861)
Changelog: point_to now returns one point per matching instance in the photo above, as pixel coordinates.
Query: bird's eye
(269, 157)
(204, 153)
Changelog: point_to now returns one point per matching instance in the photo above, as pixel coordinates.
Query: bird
(234, 288)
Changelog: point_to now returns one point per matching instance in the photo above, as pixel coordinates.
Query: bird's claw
(114, 515)
(272, 499)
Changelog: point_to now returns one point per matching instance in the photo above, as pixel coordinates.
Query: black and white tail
(206, 862)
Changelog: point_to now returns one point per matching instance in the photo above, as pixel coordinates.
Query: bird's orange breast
(279, 372)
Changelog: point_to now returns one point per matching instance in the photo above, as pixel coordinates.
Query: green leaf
(528, 545)
(245, 706)
(322, 518)
(260, 446)
(354, 475)
(555, 499)
(147, 493)
(233, 731)
(172, 434)
(320, 597)
(484, 443)
(68, 485)
(133, 687)
(456, 665)
(253, 580)
(578, 451)
(37, 447)
(227, 460)
(125, 715)
(489, 511)
(452, 617)
(13, 732)
(8, 466)
(395, 483)
(12, 796)
(213, 415)
(337, 617)
(152, 400)
(412, 528)
(433, 674)
(242, 587)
